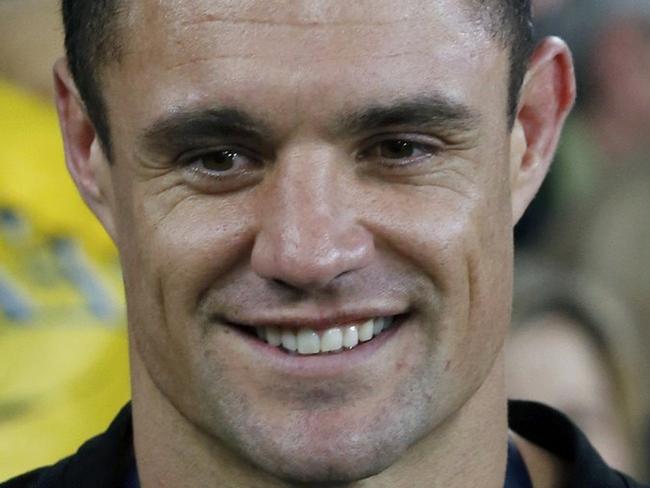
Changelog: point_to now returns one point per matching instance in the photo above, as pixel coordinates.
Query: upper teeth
(309, 341)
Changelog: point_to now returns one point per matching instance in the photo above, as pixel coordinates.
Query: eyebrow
(184, 129)
(431, 111)
(193, 127)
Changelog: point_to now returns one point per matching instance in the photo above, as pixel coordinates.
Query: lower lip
(320, 365)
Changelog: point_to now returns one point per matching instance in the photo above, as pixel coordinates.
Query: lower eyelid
(413, 160)
(216, 183)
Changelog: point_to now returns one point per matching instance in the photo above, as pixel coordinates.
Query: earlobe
(84, 155)
(547, 95)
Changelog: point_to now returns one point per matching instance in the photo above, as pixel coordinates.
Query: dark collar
(554, 432)
(516, 471)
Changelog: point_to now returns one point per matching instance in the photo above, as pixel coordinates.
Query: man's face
(301, 167)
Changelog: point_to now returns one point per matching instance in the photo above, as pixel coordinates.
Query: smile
(333, 340)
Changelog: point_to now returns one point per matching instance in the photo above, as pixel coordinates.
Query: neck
(468, 449)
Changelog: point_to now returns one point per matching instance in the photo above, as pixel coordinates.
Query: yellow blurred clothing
(58, 387)
(33, 177)
(63, 353)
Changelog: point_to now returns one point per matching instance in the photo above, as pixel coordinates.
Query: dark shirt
(107, 460)
(132, 480)
(516, 471)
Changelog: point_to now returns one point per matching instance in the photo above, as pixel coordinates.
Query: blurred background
(580, 337)
(63, 360)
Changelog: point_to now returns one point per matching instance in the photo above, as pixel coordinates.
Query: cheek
(490, 267)
(460, 238)
(462, 241)
(183, 243)
(173, 248)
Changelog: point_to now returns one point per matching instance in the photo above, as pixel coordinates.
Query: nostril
(280, 283)
(284, 285)
(292, 291)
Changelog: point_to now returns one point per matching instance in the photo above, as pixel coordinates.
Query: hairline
(110, 49)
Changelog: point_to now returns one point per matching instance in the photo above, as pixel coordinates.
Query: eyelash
(428, 148)
(192, 158)
(240, 175)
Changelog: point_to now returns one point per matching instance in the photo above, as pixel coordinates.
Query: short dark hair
(512, 25)
(93, 39)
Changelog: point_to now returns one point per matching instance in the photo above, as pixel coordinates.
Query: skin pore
(315, 165)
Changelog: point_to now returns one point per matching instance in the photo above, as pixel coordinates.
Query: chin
(331, 460)
(331, 471)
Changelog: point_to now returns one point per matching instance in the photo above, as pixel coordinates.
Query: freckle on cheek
(447, 365)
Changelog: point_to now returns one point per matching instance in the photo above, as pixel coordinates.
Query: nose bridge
(306, 182)
(304, 214)
(308, 236)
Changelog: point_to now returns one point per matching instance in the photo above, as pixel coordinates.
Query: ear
(547, 95)
(84, 155)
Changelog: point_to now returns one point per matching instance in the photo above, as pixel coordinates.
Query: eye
(221, 169)
(399, 152)
(397, 149)
(220, 161)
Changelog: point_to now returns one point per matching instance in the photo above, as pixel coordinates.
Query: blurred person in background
(590, 218)
(616, 243)
(593, 214)
(602, 170)
(62, 347)
(575, 346)
(607, 139)
(605, 144)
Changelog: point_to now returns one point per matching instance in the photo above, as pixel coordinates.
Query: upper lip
(315, 322)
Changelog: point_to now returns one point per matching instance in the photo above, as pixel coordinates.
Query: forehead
(319, 23)
(363, 49)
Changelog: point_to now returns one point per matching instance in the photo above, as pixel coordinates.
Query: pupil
(397, 149)
(219, 161)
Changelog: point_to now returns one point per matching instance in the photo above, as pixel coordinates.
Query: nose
(310, 234)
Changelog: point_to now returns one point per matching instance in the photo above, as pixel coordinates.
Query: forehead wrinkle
(275, 18)
(322, 59)
(235, 15)
(316, 14)
(306, 13)
(213, 18)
